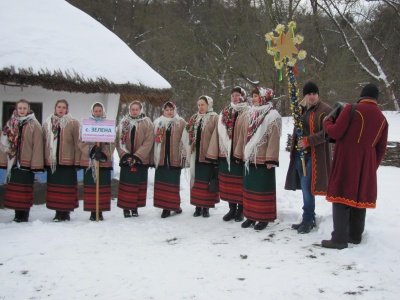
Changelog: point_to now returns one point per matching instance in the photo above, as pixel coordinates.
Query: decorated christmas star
(283, 49)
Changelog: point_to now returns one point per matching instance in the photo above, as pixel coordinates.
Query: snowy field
(183, 257)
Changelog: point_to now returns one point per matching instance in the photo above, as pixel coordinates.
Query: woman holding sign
(91, 153)
(21, 153)
(62, 155)
(135, 138)
(168, 159)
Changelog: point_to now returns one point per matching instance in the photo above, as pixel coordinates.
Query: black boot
(197, 212)
(206, 213)
(248, 223)
(17, 217)
(231, 213)
(239, 213)
(65, 216)
(165, 213)
(179, 211)
(58, 216)
(261, 225)
(101, 218)
(127, 213)
(135, 213)
(92, 216)
(24, 215)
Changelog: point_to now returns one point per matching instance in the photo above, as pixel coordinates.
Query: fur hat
(310, 87)
(370, 91)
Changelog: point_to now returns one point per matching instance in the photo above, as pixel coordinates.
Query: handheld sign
(98, 131)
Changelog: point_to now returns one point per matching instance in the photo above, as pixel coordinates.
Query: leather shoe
(135, 213)
(248, 223)
(165, 213)
(354, 241)
(206, 213)
(179, 211)
(296, 226)
(261, 225)
(333, 245)
(305, 228)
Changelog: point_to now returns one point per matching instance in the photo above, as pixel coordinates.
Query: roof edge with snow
(64, 81)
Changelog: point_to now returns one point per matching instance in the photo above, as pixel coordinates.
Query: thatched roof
(51, 44)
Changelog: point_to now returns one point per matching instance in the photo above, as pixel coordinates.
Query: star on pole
(287, 48)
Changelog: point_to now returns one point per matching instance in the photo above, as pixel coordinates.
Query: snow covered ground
(183, 257)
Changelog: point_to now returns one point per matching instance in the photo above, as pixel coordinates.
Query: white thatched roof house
(51, 50)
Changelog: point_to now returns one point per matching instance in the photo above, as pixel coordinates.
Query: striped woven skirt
(62, 189)
(259, 194)
(166, 188)
(89, 190)
(132, 189)
(199, 194)
(231, 182)
(19, 190)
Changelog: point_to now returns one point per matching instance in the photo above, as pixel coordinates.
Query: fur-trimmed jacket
(30, 148)
(176, 148)
(142, 150)
(267, 150)
(68, 152)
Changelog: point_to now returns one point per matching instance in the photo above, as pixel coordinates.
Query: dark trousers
(348, 223)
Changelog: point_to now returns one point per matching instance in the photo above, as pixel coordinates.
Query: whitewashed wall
(79, 103)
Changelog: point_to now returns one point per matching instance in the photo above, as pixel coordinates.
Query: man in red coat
(352, 187)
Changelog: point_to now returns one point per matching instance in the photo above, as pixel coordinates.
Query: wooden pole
(97, 186)
(303, 163)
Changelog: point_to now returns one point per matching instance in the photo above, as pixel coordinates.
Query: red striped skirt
(231, 182)
(89, 191)
(62, 189)
(132, 190)
(19, 190)
(199, 194)
(166, 188)
(259, 194)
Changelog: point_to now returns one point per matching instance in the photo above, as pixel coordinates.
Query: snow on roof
(55, 38)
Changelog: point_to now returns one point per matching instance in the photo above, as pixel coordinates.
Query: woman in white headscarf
(224, 141)
(197, 136)
(134, 143)
(21, 153)
(61, 155)
(91, 153)
(259, 150)
(168, 159)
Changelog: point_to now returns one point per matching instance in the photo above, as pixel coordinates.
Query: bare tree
(357, 44)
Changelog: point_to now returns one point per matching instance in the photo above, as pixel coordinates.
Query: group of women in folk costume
(241, 143)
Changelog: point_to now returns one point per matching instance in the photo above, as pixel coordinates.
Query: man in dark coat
(360, 147)
(317, 156)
